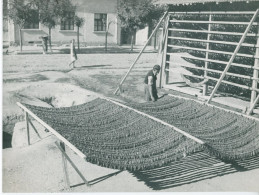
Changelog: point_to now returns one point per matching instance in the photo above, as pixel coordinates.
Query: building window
(68, 22)
(100, 21)
(34, 24)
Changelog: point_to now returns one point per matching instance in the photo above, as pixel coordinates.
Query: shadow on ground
(194, 168)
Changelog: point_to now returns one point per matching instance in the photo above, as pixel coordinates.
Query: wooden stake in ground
(73, 54)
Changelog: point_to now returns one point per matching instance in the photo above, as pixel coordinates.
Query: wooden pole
(255, 74)
(253, 105)
(233, 56)
(27, 127)
(162, 51)
(140, 53)
(61, 148)
(34, 128)
(64, 162)
(205, 86)
(164, 74)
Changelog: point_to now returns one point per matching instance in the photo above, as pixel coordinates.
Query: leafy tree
(79, 22)
(20, 13)
(136, 14)
(53, 11)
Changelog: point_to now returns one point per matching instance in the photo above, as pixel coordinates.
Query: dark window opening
(100, 21)
(68, 22)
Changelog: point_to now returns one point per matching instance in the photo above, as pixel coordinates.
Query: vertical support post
(233, 56)
(164, 73)
(27, 127)
(162, 51)
(205, 86)
(255, 74)
(64, 162)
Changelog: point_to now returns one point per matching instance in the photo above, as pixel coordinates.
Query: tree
(53, 11)
(136, 14)
(20, 13)
(79, 22)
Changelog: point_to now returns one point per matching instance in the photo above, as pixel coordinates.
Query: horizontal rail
(52, 130)
(187, 74)
(215, 12)
(213, 41)
(213, 32)
(215, 79)
(215, 71)
(234, 84)
(158, 120)
(221, 62)
(212, 22)
(212, 51)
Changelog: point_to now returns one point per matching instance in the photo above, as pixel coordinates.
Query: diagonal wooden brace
(253, 105)
(29, 120)
(66, 157)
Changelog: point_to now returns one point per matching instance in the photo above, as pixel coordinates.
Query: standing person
(150, 84)
(73, 54)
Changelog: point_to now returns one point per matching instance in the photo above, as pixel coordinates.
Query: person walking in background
(150, 84)
(73, 54)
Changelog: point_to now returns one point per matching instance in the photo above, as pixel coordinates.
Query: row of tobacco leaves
(225, 88)
(116, 137)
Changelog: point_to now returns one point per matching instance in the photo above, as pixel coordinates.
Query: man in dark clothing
(150, 84)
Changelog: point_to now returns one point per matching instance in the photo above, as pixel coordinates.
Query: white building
(98, 15)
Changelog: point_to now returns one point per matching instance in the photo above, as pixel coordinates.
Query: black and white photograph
(102, 96)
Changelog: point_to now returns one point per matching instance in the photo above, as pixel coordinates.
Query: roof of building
(178, 2)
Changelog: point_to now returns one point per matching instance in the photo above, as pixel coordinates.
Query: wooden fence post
(233, 56)
(27, 127)
(166, 73)
(64, 162)
(255, 74)
(205, 86)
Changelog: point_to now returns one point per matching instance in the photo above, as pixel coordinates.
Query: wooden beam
(164, 74)
(140, 53)
(216, 71)
(253, 105)
(27, 127)
(215, 12)
(52, 130)
(213, 41)
(213, 22)
(212, 32)
(212, 51)
(205, 86)
(64, 163)
(256, 72)
(220, 62)
(163, 51)
(72, 163)
(233, 56)
(34, 128)
(157, 120)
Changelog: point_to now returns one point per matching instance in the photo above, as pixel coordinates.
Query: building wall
(86, 10)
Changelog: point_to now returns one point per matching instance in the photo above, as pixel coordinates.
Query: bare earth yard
(46, 80)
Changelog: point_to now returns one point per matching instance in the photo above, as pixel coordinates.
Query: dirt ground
(46, 80)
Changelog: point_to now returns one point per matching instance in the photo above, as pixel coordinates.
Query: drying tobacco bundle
(116, 137)
(226, 135)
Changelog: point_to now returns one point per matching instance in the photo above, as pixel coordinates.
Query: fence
(216, 41)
